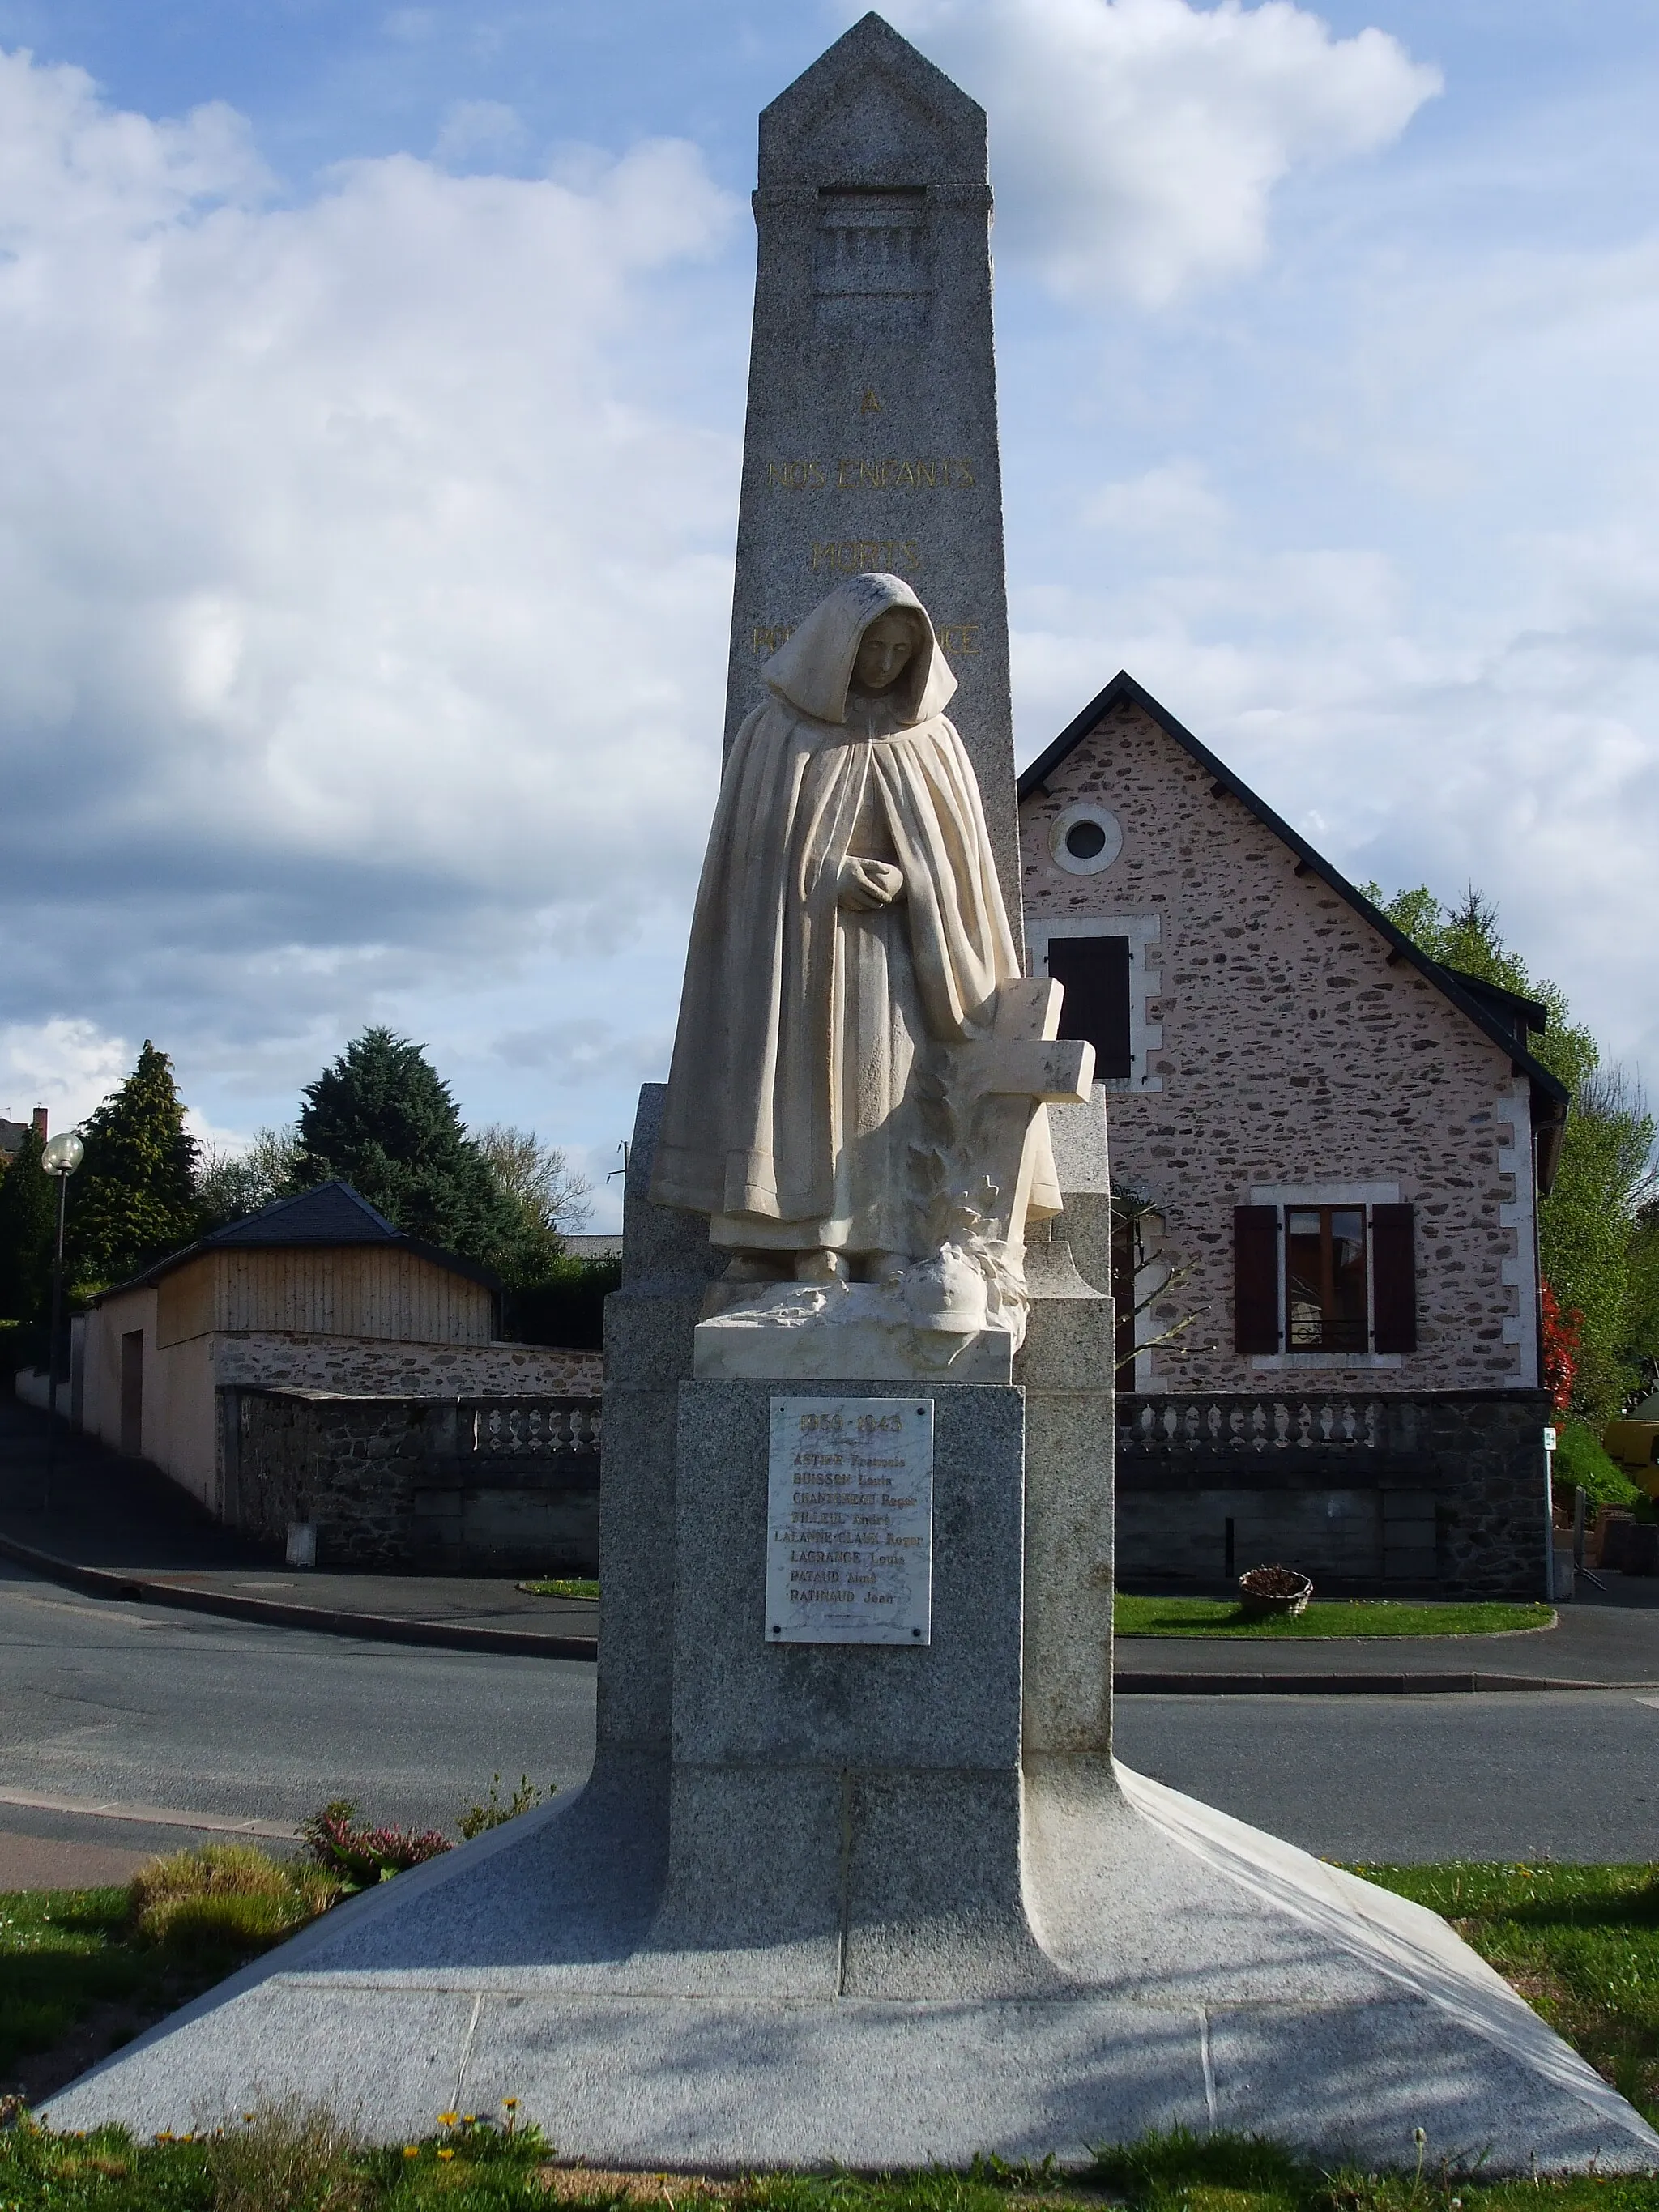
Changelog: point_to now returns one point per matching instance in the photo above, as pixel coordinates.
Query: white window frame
(1145, 932)
(1520, 1273)
(1283, 1195)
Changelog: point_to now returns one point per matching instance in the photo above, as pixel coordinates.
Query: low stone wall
(500, 1486)
(378, 1367)
(1441, 1490)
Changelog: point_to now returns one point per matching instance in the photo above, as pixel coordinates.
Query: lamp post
(60, 1157)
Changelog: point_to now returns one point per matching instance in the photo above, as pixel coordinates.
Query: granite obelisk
(871, 434)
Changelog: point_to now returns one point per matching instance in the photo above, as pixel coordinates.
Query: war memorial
(856, 1878)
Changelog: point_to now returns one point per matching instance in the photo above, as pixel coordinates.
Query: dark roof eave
(450, 1261)
(1546, 1089)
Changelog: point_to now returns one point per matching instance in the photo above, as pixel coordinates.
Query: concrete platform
(1187, 1970)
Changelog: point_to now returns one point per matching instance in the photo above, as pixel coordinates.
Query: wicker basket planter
(1266, 1590)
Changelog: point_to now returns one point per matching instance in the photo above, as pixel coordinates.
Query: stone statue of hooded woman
(849, 926)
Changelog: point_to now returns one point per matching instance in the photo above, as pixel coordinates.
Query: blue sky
(374, 395)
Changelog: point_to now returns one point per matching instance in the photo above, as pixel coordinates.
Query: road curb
(528, 1644)
(1425, 1684)
(273, 1612)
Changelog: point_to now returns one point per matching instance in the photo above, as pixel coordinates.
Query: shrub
(1581, 1464)
(359, 1857)
(225, 1899)
(491, 1812)
(301, 2157)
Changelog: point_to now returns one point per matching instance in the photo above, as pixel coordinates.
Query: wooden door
(132, 1393)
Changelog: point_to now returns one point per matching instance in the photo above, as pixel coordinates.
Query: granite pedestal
(876, 1906)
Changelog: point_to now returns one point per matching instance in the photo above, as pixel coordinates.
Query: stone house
(13, 1134)
(1325, 1153)
(314, 1364)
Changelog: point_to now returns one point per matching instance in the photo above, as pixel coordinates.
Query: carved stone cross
(1022, 1064)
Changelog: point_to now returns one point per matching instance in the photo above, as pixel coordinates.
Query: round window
(1086, 838)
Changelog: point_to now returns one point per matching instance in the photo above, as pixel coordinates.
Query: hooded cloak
(805, 1023)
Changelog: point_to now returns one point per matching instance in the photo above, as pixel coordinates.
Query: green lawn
(562, 1586)
(281, 2162)
(1221, 1616)
(1581, 1943)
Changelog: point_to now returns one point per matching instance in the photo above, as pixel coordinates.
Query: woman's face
(884, 650)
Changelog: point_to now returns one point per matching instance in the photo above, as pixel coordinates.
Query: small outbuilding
(316, 1302)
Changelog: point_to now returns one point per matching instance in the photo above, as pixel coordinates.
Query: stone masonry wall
(1442, 1493)
(1290, 1053)
(364, 1365)
(398, 1482)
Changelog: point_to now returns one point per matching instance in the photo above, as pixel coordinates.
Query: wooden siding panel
(374, 1292)
(185, 1302)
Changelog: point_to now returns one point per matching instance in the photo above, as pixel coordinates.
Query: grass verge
(562, 1586)
(1581, 1943)
(1324, 1617)
(296, 2161)
(129, 1955)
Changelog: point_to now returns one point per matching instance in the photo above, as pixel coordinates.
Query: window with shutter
(1393, 1278)
(1095, 971)
(1256, 1279)
(1325, 1307)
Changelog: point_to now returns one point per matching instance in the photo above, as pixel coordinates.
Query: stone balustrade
(537, 1426)
(1247, 1423)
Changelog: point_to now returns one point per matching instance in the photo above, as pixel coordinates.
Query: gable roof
(1503, 1016)
(332, 1215)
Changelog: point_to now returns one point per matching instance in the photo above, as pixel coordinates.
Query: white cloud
(366, 607)
(1136, 143)
(474, 132)
(1171, 505)
(67, 1067)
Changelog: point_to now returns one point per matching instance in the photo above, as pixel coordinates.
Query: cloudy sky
(370, 393)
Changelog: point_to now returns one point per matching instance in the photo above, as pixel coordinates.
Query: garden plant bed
(1326, 1620)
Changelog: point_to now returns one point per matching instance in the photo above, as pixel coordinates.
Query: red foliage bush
(1561, 1335)
(363, 1857)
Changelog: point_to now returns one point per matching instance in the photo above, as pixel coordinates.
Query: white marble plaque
(850, 1521)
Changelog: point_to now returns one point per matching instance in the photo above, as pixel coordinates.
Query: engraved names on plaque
(849, 1554)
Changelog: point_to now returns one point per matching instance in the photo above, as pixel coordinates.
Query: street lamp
(60, 1157)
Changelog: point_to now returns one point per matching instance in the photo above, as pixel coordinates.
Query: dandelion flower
(511, 2103)
(448, 2119)
(445, 2151)
(411, 2150)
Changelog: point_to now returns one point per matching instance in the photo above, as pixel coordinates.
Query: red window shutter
(1256, 1278)
(1394, 1279)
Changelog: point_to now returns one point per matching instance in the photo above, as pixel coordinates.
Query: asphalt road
(106, 1702)
(102, 1704)
(1513, 1776)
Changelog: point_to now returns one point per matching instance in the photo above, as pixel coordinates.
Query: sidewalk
(117, 1529)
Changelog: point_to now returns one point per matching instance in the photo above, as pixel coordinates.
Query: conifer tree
(134, 1199)
(28, 1232)
(382, 1119)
